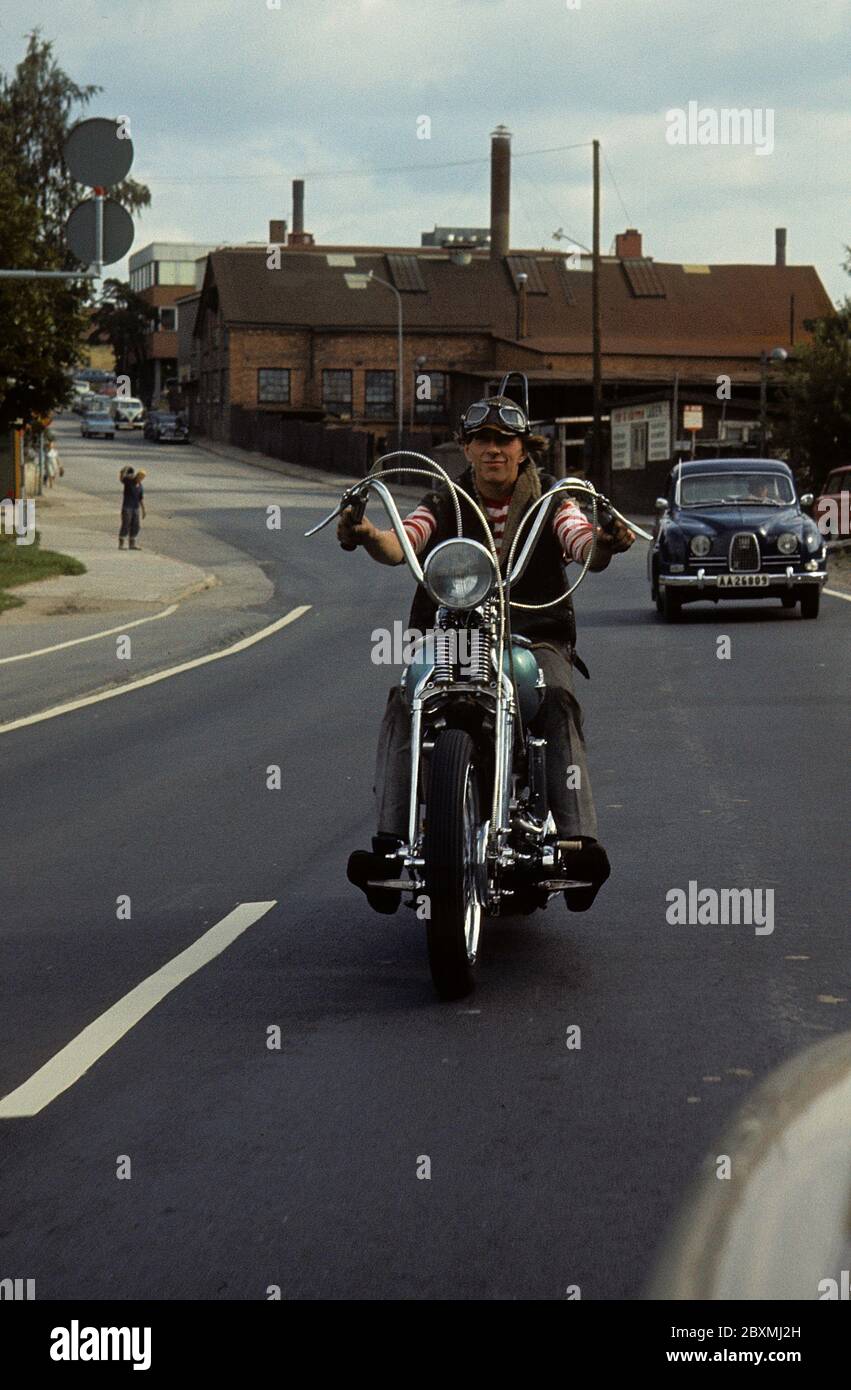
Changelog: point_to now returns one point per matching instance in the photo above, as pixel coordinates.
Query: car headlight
(700, 545)
(459, 574)
(787, 544)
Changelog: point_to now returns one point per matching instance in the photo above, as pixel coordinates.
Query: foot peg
(589, 861)
(365, 871)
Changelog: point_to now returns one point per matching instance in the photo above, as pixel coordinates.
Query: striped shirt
(572, 530)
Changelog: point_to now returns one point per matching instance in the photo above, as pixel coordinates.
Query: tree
(816, 397)
(37, 106)
(43, 321)
(126, 320)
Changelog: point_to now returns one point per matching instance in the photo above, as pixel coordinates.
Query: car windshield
(100, 415)
(168, 419)
(734, 489)
(128, 400)
(838, 482)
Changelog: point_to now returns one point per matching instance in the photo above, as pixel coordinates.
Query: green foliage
(816, 399)
(43, 321)
(24, 564)
(126, 320)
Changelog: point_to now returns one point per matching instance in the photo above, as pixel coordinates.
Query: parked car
(97, 424)
(832, 512)
(95, 403)
(128, 410)
(735, 528)
(169, 429)
(149, 427)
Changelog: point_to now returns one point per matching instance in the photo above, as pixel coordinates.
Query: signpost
(693, 420)
(100, 231)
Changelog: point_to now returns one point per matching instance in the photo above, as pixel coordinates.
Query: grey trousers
(560, 723)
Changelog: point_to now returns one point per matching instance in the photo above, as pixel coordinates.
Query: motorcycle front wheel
(453, 869)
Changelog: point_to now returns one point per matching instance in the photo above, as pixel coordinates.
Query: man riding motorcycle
(504, 479)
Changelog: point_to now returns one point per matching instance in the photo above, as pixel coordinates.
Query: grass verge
(24, 564)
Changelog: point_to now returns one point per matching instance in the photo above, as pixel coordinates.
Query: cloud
(231, 99)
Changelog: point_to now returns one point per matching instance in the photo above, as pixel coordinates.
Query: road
(253, 1166)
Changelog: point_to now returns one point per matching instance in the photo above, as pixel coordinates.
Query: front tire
(670, 604)
(452, 870)
(810, 601)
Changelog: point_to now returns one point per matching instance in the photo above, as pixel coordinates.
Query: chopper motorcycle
(481, 841)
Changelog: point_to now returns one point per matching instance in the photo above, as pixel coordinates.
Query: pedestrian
(132, 503)
(51, 465)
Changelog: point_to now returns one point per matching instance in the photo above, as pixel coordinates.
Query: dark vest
(543, 580)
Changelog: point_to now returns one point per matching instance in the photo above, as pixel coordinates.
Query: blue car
(97, 424)
(735, 529)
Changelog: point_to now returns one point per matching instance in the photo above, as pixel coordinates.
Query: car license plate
(743, 581)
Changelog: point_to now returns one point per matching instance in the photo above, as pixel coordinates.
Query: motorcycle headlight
(459, 574)
(787, 544)
(700, 545)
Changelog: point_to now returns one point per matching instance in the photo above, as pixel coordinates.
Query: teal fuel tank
(526, 673)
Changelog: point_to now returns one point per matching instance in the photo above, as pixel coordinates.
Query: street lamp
(777, 354)
(360, 282)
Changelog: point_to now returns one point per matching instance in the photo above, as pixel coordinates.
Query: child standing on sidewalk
(132, 503)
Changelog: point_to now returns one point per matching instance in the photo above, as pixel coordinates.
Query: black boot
(591, 863)
(363, 866)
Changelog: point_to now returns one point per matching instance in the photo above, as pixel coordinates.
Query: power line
(542, 196)
(629, 221)
(361, 173)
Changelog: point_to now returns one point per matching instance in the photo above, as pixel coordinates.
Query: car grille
(744, 552)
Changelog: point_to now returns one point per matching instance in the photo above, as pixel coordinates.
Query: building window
(176, 273)
(431, 397)
(168, 318)
(273, 385)
(380, 395)
(337, 392)
(143, 277)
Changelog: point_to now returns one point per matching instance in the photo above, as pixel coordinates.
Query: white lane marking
(834, 593)
(75, 1059)
(239, 646)
(92, 637)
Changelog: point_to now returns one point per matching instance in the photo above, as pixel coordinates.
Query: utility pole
(600, 476)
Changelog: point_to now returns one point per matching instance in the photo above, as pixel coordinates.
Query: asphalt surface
(297, 1166)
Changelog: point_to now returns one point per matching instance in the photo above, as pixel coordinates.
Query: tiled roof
(731, 310)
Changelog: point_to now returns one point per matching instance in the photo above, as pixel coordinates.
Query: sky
(229, 100)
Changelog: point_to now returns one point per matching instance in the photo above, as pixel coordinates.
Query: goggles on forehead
(483, 413)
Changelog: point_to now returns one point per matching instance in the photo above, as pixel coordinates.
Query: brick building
(295, 329)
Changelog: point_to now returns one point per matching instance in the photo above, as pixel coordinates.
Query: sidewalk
(78, 524)
(336, 482)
